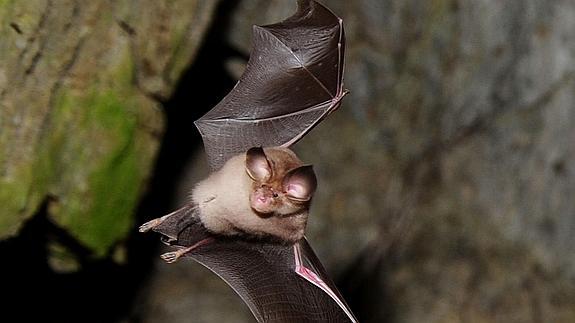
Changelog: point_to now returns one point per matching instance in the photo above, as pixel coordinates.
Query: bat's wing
(279, 283)
(292, 81)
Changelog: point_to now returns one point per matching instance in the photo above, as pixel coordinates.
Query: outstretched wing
(279, 283)
(292, 81)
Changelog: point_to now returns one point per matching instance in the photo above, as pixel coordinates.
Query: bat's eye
(275, 194)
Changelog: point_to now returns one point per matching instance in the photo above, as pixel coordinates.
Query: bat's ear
(257, 165)
(300, 183)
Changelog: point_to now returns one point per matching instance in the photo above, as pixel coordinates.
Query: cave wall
(80, 114)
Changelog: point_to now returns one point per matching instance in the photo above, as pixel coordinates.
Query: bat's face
(281, 183)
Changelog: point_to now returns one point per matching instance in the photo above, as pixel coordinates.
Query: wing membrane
(266, 276)
(295, 67)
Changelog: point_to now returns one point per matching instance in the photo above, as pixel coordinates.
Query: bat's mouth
(263, 215)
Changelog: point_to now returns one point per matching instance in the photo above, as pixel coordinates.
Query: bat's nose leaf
(292, 81)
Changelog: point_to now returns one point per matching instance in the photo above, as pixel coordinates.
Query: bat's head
(282, 185)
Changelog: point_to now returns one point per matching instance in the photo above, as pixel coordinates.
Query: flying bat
(246, 221)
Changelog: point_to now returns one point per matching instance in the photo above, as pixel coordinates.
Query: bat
(246, 221)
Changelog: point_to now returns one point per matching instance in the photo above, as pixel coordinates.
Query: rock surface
(80, 121)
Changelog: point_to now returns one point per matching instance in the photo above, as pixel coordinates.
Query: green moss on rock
(79, 130)
(98, 208)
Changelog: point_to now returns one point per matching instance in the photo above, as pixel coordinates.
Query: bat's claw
(157, 221)
(171, 257)
(150, 225)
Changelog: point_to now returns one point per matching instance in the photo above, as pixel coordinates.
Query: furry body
(226, 200)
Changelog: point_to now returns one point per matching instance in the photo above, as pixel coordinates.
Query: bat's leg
(171, 257)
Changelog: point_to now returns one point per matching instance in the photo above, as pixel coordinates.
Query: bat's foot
(173, 256)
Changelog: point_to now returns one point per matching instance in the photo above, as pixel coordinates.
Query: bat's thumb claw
(148, 225)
